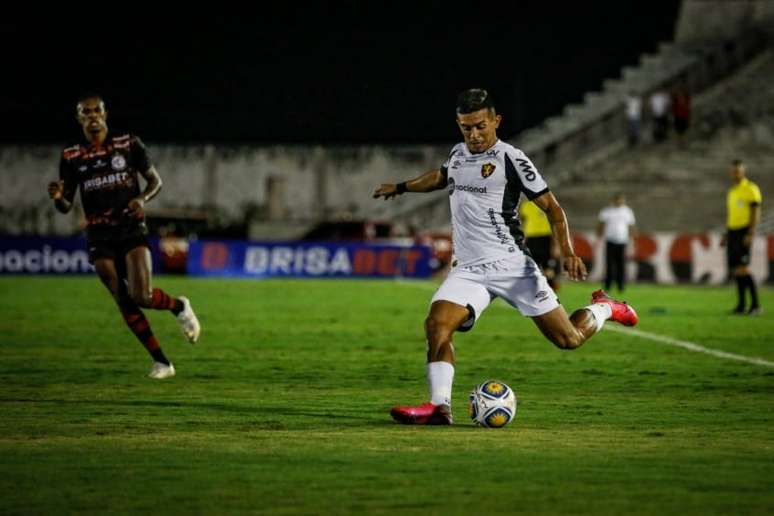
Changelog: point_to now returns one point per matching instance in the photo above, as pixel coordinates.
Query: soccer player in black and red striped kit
(107, 170)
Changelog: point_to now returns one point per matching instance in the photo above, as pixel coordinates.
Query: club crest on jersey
(487, 169)
(118, 162)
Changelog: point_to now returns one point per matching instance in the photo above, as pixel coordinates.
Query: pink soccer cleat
(424, 414)
(622, 313)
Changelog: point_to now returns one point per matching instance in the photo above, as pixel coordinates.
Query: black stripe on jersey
(534, 195)
(513, 188)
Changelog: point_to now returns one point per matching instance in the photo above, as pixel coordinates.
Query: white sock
(440, 376)
(601, 312)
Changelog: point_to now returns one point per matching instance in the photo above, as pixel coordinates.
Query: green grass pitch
(282, 407)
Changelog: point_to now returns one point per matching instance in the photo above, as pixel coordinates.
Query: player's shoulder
(125, 140)
(72, 152)
(508, 150)
(457, 150)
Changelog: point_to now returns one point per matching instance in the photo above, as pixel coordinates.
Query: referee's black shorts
(737, 251)
(540, 249)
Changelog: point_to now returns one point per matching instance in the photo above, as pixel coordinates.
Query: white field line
(690, 346)
(663, 339)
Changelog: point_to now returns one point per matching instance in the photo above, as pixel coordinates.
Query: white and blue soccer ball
(492, 404)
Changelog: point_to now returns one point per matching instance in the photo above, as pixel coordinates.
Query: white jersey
(484, 191)
(617, 220)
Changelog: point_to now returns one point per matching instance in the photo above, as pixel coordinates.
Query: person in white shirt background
(617, 225)
(633, 105)
(659, 109)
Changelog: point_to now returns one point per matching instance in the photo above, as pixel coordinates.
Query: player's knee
(567, 340)
(110, 282)
(437, 328)
(141, 297)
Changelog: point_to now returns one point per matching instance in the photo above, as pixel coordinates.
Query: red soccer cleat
(622, 313)
(424, 414)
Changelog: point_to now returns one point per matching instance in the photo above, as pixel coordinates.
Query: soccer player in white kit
(484, 178)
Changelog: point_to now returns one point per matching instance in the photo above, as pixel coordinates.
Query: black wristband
(401, 188)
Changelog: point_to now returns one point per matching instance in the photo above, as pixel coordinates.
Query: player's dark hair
(737, 162)
(474, 99)
(90, 95)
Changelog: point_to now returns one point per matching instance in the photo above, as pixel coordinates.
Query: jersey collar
(466, 152)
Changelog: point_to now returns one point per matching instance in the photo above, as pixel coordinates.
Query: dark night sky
(342, 74)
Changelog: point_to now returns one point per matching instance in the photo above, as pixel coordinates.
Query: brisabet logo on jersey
(120, 179)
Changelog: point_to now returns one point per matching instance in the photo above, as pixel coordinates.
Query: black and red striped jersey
(107, 177)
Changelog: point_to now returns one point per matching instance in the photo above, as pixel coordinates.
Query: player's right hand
(386, 190)
(575, 268)
(56, 190)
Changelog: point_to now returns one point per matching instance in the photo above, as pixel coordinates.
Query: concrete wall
(711, 20)
(309, 183)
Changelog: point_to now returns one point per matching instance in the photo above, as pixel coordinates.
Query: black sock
(178, 307)
(159, 356)
(740, 287)
(140, 326)
(753, 291)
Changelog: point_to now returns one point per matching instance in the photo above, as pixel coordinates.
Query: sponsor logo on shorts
(541, 295)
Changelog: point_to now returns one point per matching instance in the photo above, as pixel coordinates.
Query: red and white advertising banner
(676, 257)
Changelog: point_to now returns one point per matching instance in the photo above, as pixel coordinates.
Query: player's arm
(755, 218)
(427, 182)
(62, 192)
(136, 207)
(574, 266)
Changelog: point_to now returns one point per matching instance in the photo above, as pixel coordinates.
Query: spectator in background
(681, 112)
(659, 109)
(616, 224)
(633, 104)
(540, 241)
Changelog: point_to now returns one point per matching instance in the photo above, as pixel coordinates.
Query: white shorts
(474, 287)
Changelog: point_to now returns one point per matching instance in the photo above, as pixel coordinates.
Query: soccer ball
(492, 404)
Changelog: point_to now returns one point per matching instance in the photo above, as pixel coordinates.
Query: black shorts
(540, 249)
(737, 252)
(115, 242)
(681, 125)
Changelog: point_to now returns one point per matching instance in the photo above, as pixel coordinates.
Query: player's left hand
(575, 268)
(386, 190)
(135, 208)
(748, 239)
